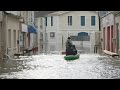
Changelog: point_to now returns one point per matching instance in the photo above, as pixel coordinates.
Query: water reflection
(53, 66)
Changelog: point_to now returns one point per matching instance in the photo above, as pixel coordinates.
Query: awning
(32, 29)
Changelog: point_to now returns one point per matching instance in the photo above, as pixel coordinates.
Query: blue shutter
(51, 21)
(46, 21)
(82, 20)
(92, 20)
(68, 21)
(71, 20)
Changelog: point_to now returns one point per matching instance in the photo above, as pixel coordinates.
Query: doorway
(108, 38)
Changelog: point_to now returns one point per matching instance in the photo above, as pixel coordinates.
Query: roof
(11, 14)
(61, 12)
(51, 13)
(42, 13)
(108, 13)
(58, 13)
(115, 12)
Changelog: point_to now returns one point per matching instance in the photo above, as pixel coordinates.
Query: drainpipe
(100, 42)
(45, 34)
(5, 50)
(115, 34)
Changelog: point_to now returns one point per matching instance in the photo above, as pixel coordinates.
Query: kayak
(71, 57)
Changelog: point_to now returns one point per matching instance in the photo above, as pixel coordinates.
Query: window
(82, 20)
(52, 34)
(41, 23)
(69, 20)
(9, 38)
(51, 21)
(31, 20)
(41, 35)
(52, 48)
(20, 38)
(14, 38)
(46, 21)
(41, 27)
(92, 20)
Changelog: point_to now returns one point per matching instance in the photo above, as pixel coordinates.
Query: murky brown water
(89, 66)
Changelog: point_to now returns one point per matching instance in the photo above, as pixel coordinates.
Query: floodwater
(53, 66)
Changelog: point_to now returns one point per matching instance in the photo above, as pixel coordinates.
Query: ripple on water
(89, 66)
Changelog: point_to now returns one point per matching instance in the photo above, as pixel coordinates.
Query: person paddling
(68, 42)
(69, 46)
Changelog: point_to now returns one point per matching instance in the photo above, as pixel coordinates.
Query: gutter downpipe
(45, 34)
(100, 43)
(5, 32)
(115, 34)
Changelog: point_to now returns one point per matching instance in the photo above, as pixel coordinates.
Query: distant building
(108, 33)
(39, 23)
(23, 31)
(15, 35)
(32, 31)
(56, 27)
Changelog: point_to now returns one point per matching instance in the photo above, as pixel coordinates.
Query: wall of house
(33, 39)
(12, 25)
(76, 22)
(107, 21)
(77, 28)
(24, 15)
(31, 17)
(37, 25)
(40, 24)
(62, 30)
(0, 41)
(31, 21)
(117, 20)
(52, 42)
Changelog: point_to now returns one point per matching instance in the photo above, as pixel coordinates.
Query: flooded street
(88, 66)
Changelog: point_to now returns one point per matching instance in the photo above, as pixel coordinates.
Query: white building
(31, 18)
(32, 41)
(39, 23)
(60, 25)
(23, 41)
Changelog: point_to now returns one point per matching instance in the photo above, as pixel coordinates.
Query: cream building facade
(60, 25)
(10, 29)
